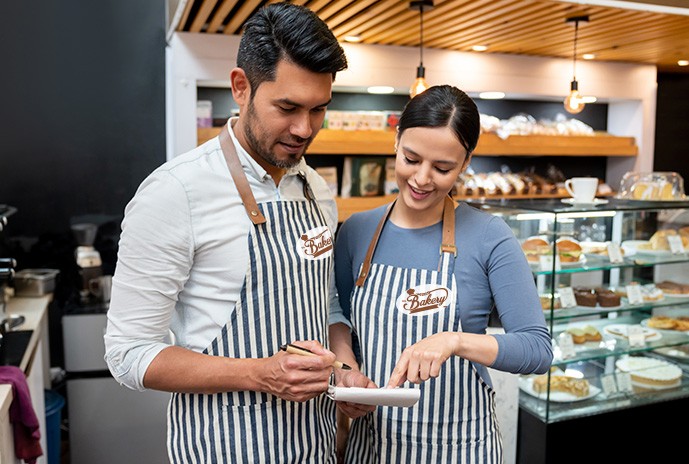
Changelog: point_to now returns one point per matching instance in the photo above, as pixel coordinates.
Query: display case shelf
(594, 360)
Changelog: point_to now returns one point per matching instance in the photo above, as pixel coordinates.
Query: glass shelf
(617, 221)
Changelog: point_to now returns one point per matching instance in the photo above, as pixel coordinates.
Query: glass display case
(613, 279)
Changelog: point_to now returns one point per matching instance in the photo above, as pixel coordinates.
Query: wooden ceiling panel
(526, 27)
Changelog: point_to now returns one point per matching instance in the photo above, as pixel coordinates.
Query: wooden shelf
(342, 143)
(339, 142)
(600, 144)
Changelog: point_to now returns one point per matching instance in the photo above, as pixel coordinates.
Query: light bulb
(574, 102)
(420, 83)
(418, 86)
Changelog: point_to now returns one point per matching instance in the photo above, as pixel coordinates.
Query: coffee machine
(87, 257)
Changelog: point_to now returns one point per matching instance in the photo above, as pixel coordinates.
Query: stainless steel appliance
(87, 257)
(108, 423)
(7, 267)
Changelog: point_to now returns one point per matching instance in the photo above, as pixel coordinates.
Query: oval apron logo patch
(424, 300)
(316, 243)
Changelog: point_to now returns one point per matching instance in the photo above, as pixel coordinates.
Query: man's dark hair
(290, 32)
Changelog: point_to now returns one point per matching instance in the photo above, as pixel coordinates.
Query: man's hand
(294, 377)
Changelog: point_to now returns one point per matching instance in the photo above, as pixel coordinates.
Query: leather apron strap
(447, 245)
(239, 177)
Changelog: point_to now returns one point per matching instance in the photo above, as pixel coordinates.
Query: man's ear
(240, 86)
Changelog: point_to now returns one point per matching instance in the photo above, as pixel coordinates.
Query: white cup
(582, 189)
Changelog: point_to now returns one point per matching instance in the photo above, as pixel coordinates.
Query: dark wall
(672, 125)
(82, 112)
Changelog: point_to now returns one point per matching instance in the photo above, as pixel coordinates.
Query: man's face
(285, 115)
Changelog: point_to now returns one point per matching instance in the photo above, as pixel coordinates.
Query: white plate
(582, 260)
(537, 265)
(595, 202)
(599, 307)
(632, 247)
(620, 331)
(674, 353)
(526, 385)
(644, 323)
(676, 295)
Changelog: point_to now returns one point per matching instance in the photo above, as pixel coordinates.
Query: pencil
(294, 349)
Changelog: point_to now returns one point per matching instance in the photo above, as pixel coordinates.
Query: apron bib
(284, 298)
(392, 308)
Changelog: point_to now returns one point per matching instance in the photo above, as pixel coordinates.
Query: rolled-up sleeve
(154, 260)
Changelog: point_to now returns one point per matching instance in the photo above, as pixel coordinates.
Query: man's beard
(262, 150)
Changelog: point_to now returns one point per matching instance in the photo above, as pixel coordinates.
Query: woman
(417, 281)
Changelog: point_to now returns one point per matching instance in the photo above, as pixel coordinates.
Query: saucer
(595, 202)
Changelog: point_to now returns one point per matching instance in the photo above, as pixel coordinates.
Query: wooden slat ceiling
(526, 27)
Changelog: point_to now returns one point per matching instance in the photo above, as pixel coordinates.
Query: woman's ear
(465, 164)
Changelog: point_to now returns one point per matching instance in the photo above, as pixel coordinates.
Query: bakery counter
(34, 361)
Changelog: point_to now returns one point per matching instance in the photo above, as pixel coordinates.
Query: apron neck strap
(239, 177)
(447, 244)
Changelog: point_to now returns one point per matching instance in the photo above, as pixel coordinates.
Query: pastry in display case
(652, 186)
(619, 324)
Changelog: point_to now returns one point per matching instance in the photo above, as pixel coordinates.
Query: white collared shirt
(183, 254)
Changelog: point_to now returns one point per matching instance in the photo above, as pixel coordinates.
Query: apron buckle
(445, 248)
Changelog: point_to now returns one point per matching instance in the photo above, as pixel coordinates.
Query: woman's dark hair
(291, 32)
(444, 106)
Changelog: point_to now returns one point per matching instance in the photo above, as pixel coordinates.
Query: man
(229, 248)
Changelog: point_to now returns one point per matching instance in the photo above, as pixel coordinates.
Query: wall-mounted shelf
(340, 142)
(345, 143)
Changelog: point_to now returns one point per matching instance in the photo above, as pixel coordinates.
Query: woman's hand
(421, 361)
(353, 378)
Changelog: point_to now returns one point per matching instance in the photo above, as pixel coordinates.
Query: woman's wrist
(457, 343)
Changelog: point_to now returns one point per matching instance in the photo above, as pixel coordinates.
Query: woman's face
(427, 164)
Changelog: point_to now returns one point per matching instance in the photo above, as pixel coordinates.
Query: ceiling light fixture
(352, 38)
(491, 95)
(683, 63)
(573, 102)
(479, 48)
(380, 89)
(420, 83)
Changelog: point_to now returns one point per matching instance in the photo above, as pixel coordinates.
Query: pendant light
(574, 103)
(420, 83)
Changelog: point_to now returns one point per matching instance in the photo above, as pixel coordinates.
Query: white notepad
(400, 397)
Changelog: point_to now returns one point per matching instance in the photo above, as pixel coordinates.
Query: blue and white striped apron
(284, 298)
(455, 420)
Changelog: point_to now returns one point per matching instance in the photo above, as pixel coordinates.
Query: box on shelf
(363, 176)
(329, 174)
(390, 185)
(204, 113)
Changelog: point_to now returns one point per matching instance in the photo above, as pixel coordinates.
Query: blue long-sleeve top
(491, 271)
